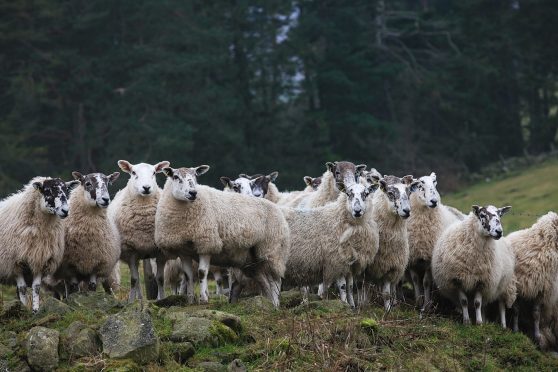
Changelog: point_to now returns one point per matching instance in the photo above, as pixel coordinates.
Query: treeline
(444, 85)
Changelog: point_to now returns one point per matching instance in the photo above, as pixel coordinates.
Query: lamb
(133, 212)
(199, 222)
(91, 240)
(32, 234)
(536, 265)
(323, 256)
(469, 258)
(425, 225)
(390, 211)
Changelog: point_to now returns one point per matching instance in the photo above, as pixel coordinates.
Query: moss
(163, 327)
(222, 333)
(122, 365)
(369, 325)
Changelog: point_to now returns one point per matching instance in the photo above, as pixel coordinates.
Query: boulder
(173, 300)
(93, 301)
(256, 304)
(42, 348)
(211, 367)
(53, 306)
(293, 298)
(130, 335)
(13, 309)
(236, 366)
(78, 341)
(230, 320)
(181, 351)
(200, 331)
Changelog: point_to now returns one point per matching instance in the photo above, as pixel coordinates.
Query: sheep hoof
(467, 321)
(92, 287)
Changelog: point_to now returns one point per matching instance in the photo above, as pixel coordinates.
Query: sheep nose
(64, 213)
(193, 193)
(407, 212)
(106, 200)
(146, 188)
(433, 202)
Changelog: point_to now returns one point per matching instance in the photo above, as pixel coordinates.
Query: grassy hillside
(530, 192)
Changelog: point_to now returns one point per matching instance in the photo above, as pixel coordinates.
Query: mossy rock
(79, 341)
(294, 297)
(122, 365)
(13, 309)
(180, 352)
(130, 335)
(211, 367)
(230, 320)
(53, 306)
(256, 304)
(94, 301)
(42, 348)
(201, 331)
(4, 351)
(323, 306)
(236, 366)
(173, 300)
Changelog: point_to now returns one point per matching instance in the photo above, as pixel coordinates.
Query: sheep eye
(88, 184)
(175, 177)
(133, 173)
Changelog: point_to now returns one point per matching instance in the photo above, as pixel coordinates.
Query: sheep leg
(515, 317)
(386, 295)
(188, 270)
(393, 294)
(464, 307)
(478, 307)
(92, 286)
(36, 291)
(21, 289)
(160, 277)
(275, 289)
(324, 294)
(342, 288)
(537, 319)
(416, 286)
(321, 290)
(203, 270)
(427, 285)
(182, 289)
(74, 285)
(235, 290)
(218, 282)
(350, 283)
(502, 306)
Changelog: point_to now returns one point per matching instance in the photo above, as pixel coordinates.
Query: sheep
(133, 212)
(429, 218)
(536, 265)
(347, 246)
(32, 234)
(390, 211)
(469, 258)
(241, 185)
(91, 240)
(264, 187)
(199, 222)
(314, 183)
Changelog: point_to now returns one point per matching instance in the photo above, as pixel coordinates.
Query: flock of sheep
(348, 226)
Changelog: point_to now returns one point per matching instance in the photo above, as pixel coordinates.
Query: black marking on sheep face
(316, 182)
(346, 172)
(184, 181)
(489, 218)
(356, 197)
(260, 185)
(96, 187)
(55, 195)
(427, 192)
(398, 191)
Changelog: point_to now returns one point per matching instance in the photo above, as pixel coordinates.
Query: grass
(531, 192)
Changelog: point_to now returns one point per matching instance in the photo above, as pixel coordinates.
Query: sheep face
(95, 187)
(55, 194)
(427, 192)
(345, 171)
(356, 197)
(489, 220)
(260, 184)
(142, 176)
(313, 182)
(398, 191)
(241, 185)
(184, 181)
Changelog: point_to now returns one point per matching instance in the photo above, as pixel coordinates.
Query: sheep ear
(308, 180)
(383, 185)
(70, 185)
(433, 176)
(341, 187)
(360, 169)
(160, 165)
(168, 171)
(38, 186)
(244, 175)
(408, 179)
(373, 187)
(504, 210)
(330, 166)
(125, 166)
(226, 181)
(273, 176)
(476, 210)
(414, 186)
(373, 172)
(78, 176)
(201, 169)
(113, 177)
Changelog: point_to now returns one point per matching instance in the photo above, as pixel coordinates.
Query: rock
(211, 367)
(10, 339)
(93, 301)
(293, 298)
(42, 348)
(4, 351)
(230, 320)
(173, 300)
(130, 334)
(182, 351)
(236, 366)
(53, 306)
(78, 341)
(200, 331)
(257, 304)
(13, 309)
(324, 306)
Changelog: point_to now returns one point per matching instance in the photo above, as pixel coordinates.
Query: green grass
(531, 192)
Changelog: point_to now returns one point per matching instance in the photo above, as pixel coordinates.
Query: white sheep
(91, 240)
(536, 266)
(390, 211)
(264, 187)
(470, 259)
(199, 222)
(429, 218)
(133, 211)
(241, 185)
(347, 245)
(32, 234)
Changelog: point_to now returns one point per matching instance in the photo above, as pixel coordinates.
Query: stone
(211, 367)
(182, 351)
(257, 304)
(236, 366)
(324, 306)
(93, 301)
(130, 335)
(200, 331)
(293, 298)
(13, 309)
(78, 341)
(173, 300)
(230, 320)
(4, 351)
(10, 339)
(51, 305)
(42, 348)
